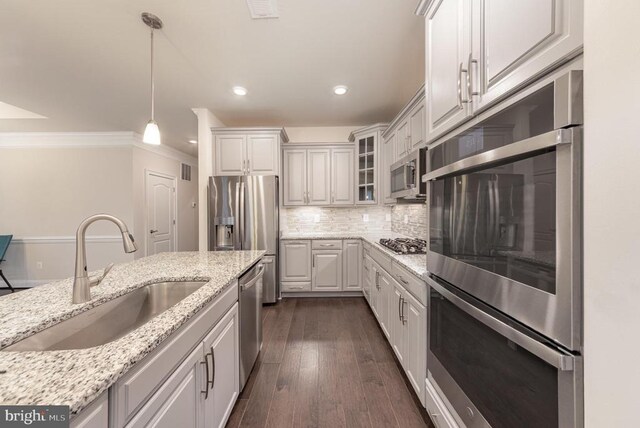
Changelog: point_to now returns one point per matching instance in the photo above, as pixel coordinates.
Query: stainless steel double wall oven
(505, 222)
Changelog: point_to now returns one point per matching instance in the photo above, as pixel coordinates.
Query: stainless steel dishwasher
(250, 308)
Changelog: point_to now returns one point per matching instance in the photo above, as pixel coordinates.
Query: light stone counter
(77, 377)
(415, 263)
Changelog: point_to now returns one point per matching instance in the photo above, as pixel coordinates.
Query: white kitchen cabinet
(247, 151)
(318, 176)
(448, 45)
(438, 411)
(263, 153)
(342, 182)
(352, 261)
(366, 276)
(417, 119)
(414, 317)
(220, 351)
(327, 270)
(295, 262)
(230, 154)
(388, 158)
(403, 141)
(367, 142)
(516, 41)
(396, 325)
(381, 294)
(96, 415)
(295, 177)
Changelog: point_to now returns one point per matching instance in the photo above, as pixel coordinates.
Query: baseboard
(322, 294)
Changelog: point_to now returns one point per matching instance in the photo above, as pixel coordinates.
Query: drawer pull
(402, 280)
(326, 245)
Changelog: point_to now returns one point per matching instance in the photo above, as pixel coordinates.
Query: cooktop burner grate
(405, 245)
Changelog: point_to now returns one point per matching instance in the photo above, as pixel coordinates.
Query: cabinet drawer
(133, 390)
(410, 282)
(437, 410)
(326, 244)
(381, 258)
(295, 286)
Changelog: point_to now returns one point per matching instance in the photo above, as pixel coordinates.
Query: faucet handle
(99, 279)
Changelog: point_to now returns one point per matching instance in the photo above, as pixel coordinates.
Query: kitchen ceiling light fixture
(193, 141)
(152, 132)
(340, 90)
(239, 90)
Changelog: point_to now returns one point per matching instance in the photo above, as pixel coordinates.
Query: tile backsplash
(320, 219)
(416, 220)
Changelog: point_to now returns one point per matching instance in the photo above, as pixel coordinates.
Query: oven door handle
(559, 360)
(514, 150)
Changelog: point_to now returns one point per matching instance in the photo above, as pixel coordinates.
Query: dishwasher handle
(253, 281)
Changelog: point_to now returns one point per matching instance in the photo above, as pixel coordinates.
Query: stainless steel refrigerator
(244, 215)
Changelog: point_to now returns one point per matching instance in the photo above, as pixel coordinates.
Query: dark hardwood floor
(326, 363)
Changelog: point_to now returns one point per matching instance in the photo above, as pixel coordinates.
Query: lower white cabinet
(327, 270)
(295, 262)
(381, 293)
(96, 415)
(414, 336)
(437, 409)
(351, 255)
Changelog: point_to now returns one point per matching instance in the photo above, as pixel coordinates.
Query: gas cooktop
(405, 245)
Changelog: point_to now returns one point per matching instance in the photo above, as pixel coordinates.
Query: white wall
(612, 213)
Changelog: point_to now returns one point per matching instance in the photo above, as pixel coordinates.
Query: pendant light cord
(152, 84)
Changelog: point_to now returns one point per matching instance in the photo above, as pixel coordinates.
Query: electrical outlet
(365, 217)
(406, 219)
(316, 218)
(39, 265)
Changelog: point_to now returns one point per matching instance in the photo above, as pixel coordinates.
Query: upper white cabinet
(478, 52)
(417, 126)
(342, 187)
(247, 151)
(403, 142)
(367, 141)
(319, 176)
(388, 158)
(448, 45)
(515, 41)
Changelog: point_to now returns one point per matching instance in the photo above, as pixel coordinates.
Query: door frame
(147, 173)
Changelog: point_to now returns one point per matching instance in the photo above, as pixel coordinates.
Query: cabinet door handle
(207, 381)
(403, 319)
(470, 63)
(213, 366)
(461, 101)
(248, 165)
(399, 308)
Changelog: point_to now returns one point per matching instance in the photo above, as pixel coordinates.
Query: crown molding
(56, 140)
(370, 128)
(422, 7)
(415, 100)
(284, 138)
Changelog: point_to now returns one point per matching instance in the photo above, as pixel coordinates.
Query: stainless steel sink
(111, 320)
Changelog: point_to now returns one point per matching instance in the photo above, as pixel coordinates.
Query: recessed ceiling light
(340, 90)
(239, 90)
(193, 141)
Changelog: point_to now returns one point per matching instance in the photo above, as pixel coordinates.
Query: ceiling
(85, 64)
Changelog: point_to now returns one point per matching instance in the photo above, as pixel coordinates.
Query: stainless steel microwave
(406, 174)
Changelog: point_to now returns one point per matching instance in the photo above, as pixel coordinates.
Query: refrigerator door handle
(236, 216)
(242, 208)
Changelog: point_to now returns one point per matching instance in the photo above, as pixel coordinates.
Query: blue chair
(5, 240)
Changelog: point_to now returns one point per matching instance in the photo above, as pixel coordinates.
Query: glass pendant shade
(151, 133)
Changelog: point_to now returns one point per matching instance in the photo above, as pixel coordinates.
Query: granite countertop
(77, 377)
(415, 263)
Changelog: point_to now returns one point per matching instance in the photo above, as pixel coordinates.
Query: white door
(402, 140)
(318, 176)
(342, 185)
(352, 261)
(327, 270)
(296, 261)
(221, 353)
(161, 213)
(262, 155)
(294, 183)
(448, 46)
(388, 158)
(514, 41)
(415, 334)
(416, 121)
(230, 155)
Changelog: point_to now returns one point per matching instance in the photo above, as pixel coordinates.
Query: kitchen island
(77, 377)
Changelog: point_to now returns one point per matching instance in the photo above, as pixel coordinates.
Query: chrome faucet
(82, 283)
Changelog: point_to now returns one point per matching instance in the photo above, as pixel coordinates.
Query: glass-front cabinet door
(367, 190)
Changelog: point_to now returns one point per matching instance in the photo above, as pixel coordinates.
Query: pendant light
(152, 132)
